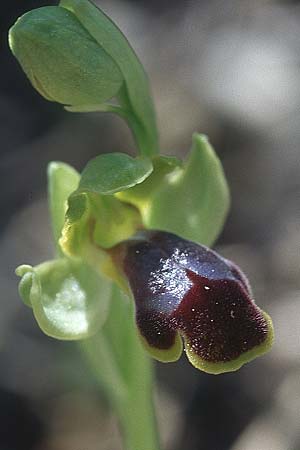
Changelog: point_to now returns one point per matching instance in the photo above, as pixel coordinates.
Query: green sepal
(135, 96)
(114, 172)
(25, 271)
(190, 200)
(69, 300)
(62, 60)
(62, 181)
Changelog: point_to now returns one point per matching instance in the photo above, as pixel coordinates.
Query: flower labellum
(183, 289)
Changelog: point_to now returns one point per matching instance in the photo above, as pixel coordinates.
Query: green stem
(136, 415)
(125, 373)
(147, 143)
(146, 138)
(135, 96)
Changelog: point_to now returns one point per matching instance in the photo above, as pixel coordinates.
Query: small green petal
(69, 300)
(62, 181)
(96, 219)
(75, 233)
(95, 222)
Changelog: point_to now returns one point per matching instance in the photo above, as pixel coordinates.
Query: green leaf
(62, 60)
(190, 200)
(136, 97)
(69, 299)
(114, 172)
(62, 181)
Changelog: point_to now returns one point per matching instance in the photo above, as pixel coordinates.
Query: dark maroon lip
(181, 286)
(220, 320)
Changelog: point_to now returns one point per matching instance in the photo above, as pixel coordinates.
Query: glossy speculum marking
(183, 287)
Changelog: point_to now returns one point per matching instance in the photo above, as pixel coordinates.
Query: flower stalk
(126, 378)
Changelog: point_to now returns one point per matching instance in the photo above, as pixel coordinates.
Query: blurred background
(232, 71)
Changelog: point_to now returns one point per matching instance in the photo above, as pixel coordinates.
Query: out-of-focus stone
(262, 434)
(285, 314)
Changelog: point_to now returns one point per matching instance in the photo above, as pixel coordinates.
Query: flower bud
(182, 289)
(62, 60)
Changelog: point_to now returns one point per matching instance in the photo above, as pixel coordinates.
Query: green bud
(61, 58)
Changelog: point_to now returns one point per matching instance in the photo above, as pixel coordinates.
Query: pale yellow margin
(174, 353)
(169, 355)
(235, 364)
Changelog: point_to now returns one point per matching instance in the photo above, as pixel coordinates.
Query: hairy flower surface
(185, 289)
